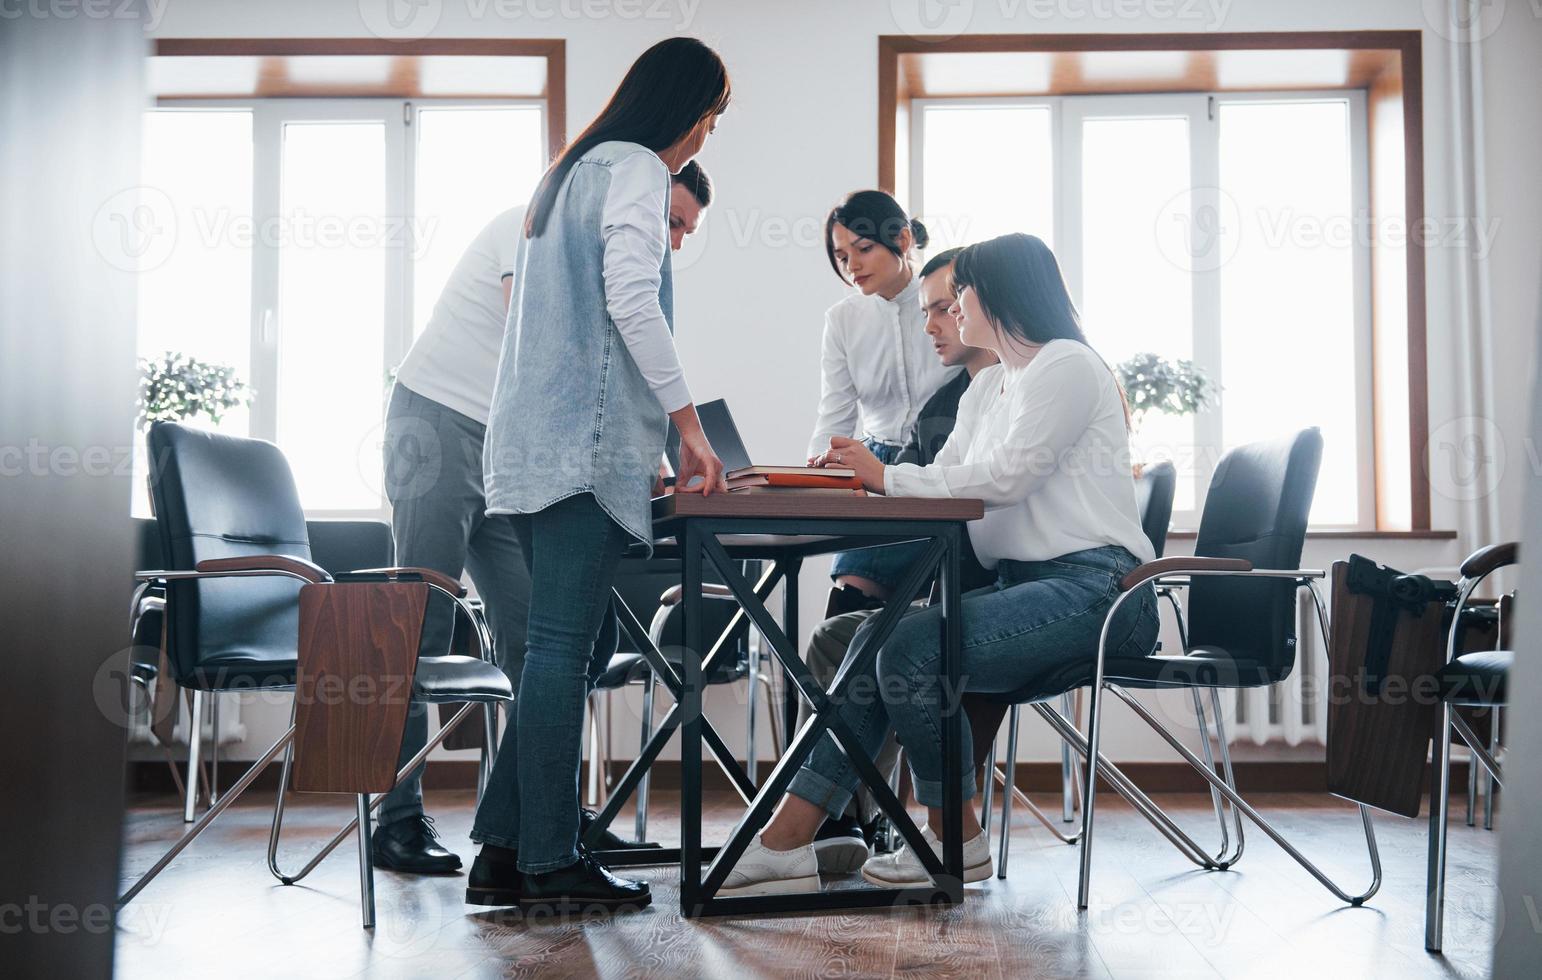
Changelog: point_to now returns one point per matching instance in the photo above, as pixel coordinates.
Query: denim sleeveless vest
(571, 412)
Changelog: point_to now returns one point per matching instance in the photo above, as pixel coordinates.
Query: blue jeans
(433, 468)
(572, 550)
(884, 564)
(1033, 634)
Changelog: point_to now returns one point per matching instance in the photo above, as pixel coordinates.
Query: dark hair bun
(918, 230)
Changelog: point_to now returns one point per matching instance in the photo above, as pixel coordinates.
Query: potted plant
(1155, 384)
(174, 388)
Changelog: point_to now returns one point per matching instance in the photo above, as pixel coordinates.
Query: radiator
(231, 728)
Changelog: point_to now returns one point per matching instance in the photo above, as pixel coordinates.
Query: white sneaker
(902, 869)
(762, 871)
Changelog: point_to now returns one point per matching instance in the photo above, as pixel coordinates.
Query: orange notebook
(829, 471)
(805, 478)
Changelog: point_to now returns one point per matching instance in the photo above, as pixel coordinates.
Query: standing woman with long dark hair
(588, 381)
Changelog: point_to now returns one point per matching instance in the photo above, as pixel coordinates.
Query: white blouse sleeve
(1048, 417)
(635, 229)
(838, 412)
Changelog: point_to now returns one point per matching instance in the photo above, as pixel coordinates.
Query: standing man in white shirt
(435, 428)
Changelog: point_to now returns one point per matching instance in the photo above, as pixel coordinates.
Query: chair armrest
(264, 563)
(428, 575)
(242, 566)
(1179, 564)
(1485, 560)
(709, 590)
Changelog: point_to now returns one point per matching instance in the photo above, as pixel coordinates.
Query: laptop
(717, 423)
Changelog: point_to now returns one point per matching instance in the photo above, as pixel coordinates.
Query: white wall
(803, 131)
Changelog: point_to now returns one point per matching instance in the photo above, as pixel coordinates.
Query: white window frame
(265, 328)
(1202, 111)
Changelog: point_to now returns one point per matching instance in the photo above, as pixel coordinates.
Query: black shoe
(848, 599)
(877, 833)
(411, 845)
(581, 887)
(494, 878)
(840, 845)
(608, 841)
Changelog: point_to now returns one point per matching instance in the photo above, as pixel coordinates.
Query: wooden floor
(216, 911)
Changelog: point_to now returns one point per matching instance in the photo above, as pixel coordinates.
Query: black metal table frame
(697, 538)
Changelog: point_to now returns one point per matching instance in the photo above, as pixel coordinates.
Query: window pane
(1287, 292)
(332, 307)
(1137, 292)
(472, 163)
(987, 171)
(190, 234)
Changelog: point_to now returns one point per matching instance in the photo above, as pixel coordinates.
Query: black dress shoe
(411, 845)
(581, 887)
(848, 599)
(494, 878)
(608, 841)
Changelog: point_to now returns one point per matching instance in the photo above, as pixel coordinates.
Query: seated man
(843, 844)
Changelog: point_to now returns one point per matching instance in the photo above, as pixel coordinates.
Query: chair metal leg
(1237, 801)
(1007, 792)
(214, 747)
(646, 733)
(988, 792)
(1440, 797)
(1472, 789)
(778, 743)
(1224, 742)
(208, 817)
(1215, 794)
(1090, 785)
(374, 803)
(1067, 762)
(1488, 778)
(749, 724)
(194, 743)
(366, 862)
(489, 748)
(592, 795)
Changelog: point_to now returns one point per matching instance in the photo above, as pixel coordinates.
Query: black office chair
(1475, 680)
(338, 546)
(1242, 584)
(1154, 491)
(236, 552)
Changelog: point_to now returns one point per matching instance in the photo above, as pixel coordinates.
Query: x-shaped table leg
(697, 895)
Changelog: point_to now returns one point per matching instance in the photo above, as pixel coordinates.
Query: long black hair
(1019, 285)
(875, 216)
(1020, 288)
(669, 89)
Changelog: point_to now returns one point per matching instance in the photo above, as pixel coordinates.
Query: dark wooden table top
(817, 506)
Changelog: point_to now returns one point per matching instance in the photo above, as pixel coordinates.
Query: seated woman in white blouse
(877, 366)
(1042, 438)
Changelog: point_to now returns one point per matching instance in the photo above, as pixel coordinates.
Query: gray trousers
(826, 651)
(433, 479)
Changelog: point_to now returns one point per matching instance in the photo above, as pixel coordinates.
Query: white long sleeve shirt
(635, 227)
(455, 360)
(877, 368)
(1045, 446)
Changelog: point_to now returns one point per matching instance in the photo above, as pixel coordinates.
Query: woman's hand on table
(697, 460)
(853, 455)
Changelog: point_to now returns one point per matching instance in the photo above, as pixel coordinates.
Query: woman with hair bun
(877, 366)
